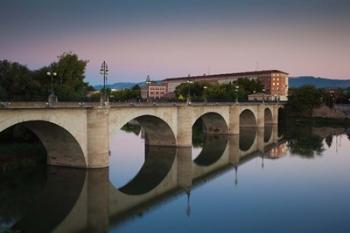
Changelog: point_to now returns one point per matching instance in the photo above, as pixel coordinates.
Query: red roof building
(274, 81)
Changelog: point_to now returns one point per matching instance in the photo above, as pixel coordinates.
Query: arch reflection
(213, 148)
(19, 190)
(267, 132)
(247, 138)
(55, 201)
(158, 161)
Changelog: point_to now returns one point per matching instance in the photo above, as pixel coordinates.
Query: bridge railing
(7, 105)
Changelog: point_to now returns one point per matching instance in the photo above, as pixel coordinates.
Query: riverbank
(318, 122)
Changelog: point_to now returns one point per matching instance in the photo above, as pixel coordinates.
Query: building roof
(261, 72)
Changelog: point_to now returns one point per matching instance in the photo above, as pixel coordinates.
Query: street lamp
(205, 93)
(189, 82)
(236, 175)
(236, 91)
(52, 97)
(104, 72)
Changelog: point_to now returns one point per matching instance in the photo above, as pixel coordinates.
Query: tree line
(205, 91)
(302, 100)
(18, 82)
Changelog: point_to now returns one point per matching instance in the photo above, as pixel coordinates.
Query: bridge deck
(34, 105)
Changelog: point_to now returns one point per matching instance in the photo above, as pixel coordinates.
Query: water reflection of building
(277, 151)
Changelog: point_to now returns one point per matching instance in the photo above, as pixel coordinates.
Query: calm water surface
(261, 181)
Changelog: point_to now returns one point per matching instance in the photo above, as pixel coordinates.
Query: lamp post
(52, 97)
(189, 82)
(236, 175)
(104, 72)
(236, 92)
(205, 94)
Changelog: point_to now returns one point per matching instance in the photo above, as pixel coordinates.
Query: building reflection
(277, 151)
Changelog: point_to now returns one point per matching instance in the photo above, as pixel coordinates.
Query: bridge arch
(159, 125)
(156, 131)
(159, 151)
(62, 148)
(213, 123)
(267, 133)
(268, 118)
(247, 118)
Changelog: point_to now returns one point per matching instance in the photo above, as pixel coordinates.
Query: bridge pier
(275, 114)
(233, 126)
(184, 167)
(184, 127)
(98, 200)
(97, 138)
(260, 115)
(275, 133)
(260, 139)
(233, 146)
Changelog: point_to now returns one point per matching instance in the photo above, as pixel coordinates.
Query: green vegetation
(17, 82)
(218, 92)
(303, 142)
(132, 128)
(126, 94)
(120, 95)
(303, 100)
(305, 136)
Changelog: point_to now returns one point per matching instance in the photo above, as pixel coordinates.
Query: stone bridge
(78, 135)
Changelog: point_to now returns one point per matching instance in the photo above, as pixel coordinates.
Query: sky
(164, 38)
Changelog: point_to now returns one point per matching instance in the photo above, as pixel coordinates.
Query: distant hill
(119, 85)
(318, 82)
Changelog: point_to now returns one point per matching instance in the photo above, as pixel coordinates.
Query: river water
(270, 180)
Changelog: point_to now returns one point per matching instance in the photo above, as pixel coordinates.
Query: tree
(303, 100)
(196, 90)
(125, 94)
(219, 92)
(70, 70)
(17, 82)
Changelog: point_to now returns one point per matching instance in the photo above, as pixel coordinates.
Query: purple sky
(174, 38)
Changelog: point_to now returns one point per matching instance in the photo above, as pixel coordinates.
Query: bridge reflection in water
(74, 200)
